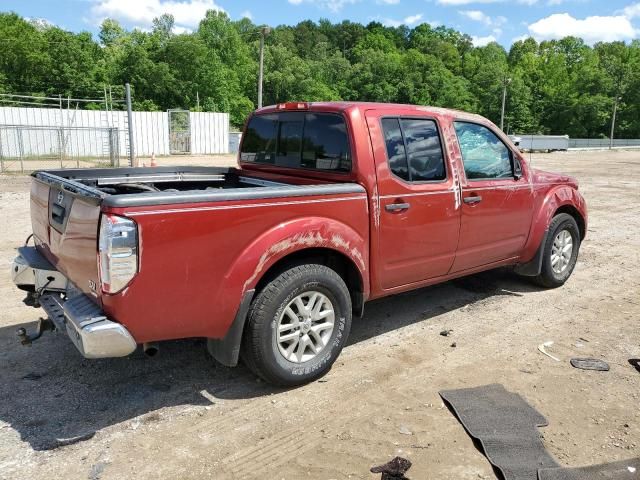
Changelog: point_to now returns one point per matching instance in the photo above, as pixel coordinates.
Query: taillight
(117, 252)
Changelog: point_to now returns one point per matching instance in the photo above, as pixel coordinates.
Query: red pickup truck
(333, 204)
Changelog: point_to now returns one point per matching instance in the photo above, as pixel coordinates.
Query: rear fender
(287, 238)
(239, 282)
(293, 236)
(554, 199)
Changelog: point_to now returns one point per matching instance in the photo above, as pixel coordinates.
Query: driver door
(497, 200)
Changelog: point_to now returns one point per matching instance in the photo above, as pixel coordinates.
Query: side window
(424, 151)
(483, 153)
(395, 147)
(414, 151)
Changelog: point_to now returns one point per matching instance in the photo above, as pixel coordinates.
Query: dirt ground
(179, 415)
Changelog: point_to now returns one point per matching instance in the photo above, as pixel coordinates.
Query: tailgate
(65, 219)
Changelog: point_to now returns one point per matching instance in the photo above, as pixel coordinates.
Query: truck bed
(127, 187)
(198, 227)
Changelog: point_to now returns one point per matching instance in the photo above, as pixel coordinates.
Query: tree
(559, 86)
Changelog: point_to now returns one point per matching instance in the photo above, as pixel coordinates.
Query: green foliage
(560, 86)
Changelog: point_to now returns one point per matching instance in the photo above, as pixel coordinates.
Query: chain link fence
(26, 148)
(40, 132)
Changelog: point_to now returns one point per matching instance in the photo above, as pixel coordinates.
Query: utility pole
(264, 31)
(505, 82)
(613, 120)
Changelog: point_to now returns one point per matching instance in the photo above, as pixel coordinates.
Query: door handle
(472, 200)
(397, 207)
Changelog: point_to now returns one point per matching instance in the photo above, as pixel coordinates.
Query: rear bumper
(93, 334)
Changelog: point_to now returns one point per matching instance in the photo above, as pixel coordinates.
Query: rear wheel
(298, 325)
(560, 251)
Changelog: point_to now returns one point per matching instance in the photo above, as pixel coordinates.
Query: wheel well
(568, 209)
(336, 261)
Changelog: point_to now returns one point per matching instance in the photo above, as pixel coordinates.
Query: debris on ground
(542, 348)
(635, 363)
(405, 431)
(446, 333)
(393, 470)
(590, 364)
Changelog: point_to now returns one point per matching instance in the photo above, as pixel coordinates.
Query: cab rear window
(308, 140)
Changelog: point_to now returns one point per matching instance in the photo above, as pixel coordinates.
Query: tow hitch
(44, 325)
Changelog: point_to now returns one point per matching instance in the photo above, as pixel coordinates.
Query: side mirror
(517, 169)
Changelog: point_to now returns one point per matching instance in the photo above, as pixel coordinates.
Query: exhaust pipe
(150, 349)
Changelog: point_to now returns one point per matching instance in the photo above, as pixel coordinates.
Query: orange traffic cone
(153, 160)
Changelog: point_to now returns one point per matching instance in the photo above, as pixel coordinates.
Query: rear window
(315, 141)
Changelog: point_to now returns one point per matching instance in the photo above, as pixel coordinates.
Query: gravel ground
(179, 415)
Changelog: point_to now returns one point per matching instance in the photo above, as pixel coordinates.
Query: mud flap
(534, 266)
(227, 350)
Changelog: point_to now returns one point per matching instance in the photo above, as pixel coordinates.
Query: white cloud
(482, 41)
(246, 14)
(387, 2)
(591, 29)
(410, 20)
(40, 22)
(458, 3)
(632, 11)
(476, 16)
(186, 13)
(479, 16)
(519, 38)
(465, 2)
(179, 30)
(332, 5)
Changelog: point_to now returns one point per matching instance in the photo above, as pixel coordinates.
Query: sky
(504, 21)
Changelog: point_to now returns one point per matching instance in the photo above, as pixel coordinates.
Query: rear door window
(414, 151)
(317, 141)
(396, 153)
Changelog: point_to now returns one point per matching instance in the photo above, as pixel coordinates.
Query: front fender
(545, 210)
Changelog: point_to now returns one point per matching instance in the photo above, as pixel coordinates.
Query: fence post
(60, 146)
(1, 154)
(112, 146)
(127, 88)
(20, 148)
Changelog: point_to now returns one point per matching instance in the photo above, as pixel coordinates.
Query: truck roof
(343, 106)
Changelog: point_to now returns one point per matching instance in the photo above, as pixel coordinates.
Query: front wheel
(297, 326)
(560, 251)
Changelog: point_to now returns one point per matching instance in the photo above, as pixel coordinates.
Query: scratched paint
(304, 240)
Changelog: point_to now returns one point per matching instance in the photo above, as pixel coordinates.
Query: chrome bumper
(93, 334)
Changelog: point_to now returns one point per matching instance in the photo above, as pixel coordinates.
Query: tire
(289, 360)
(556, 271)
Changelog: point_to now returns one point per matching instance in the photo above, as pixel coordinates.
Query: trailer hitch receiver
(44, 325)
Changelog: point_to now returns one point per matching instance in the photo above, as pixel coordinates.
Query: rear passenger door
(418, 217)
